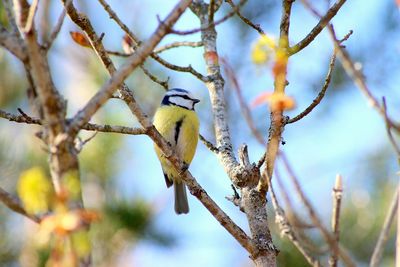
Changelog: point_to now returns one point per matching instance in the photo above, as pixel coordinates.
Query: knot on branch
(245, 173)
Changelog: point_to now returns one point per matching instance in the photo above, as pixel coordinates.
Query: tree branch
(286, 228)
(151, 131)
(13, 44)
(277, 120)
(137, 43)
(133, 61)
(318, 28)
(88, 126)
(257, 27)
(243, 175)
(358, 78)
(337, 193)
(384, 234)
(177, 44)
(14, 204)
(314, 217)
(321, 94)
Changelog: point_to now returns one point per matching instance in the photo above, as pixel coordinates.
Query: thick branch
(244, 175)
(151, 131)
(84, 115)
(277, 120)
(13, 44)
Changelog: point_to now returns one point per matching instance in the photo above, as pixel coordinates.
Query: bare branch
(318, 28)
(152, 77)
(31, 16)
(389, 130)
(277, 123)
(257, 27)
(14, 204)
(177, 44)
(314, 217)
(137, 43)
(286, 228)
(321, 94)
(57, 28)
(358, 78)
(384, 234)
(13, 44)
(243, 106)
(188, 69)
(337, 192)
(211, 23)
(133, 61)
(88, 126)
(192, 184)
(208, 144)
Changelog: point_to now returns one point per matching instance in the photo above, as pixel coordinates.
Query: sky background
(336, 137)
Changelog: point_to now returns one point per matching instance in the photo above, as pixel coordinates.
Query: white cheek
(181, 102)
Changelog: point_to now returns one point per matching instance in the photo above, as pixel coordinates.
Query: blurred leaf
(35, 190)
(81, 243)
(134, 216)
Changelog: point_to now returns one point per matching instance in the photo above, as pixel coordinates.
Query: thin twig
(177, 44)
(389, 130)
(257, 27)
(88, 126)
(137, 42)
(337, 192)
(152, 77)
(188, 69)
(384, 234)
(118, 77)
(57, 29)
(286, 229)
(208, 144)
(212, 23)
(31, 16)
(318, 28)
(243, 105)
(358, 79)
(321, 94)
(314, 217)
(14, 204)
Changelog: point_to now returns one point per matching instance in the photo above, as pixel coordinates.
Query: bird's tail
(181, 201)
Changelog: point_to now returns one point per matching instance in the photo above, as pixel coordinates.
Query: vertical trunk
(253, 201)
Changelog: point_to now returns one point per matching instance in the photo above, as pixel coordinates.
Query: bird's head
(179, 97)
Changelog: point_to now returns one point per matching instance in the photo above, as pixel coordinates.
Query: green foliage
(137, 219)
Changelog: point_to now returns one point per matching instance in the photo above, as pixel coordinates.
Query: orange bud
(276, 101)
(80, 39)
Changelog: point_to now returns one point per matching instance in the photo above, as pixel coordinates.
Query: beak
(195, 101)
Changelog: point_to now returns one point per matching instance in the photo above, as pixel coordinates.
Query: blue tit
(178, 123)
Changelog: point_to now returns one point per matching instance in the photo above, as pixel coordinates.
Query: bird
(178, 123)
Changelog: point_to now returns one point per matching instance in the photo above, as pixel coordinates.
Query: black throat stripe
(178, 126)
